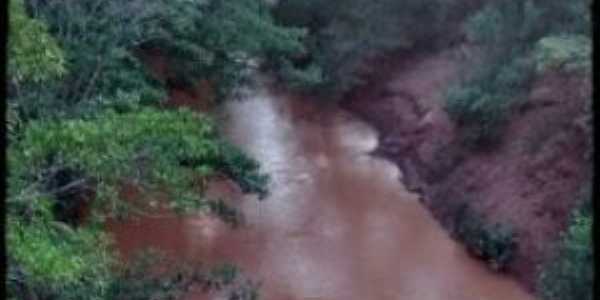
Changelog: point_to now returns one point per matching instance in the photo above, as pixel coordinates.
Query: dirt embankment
(531, 180)
(200, 97)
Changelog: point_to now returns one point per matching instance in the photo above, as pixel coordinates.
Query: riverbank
(531, 180)
(337, 224)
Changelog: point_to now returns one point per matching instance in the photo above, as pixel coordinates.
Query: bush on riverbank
(494, 243)
(517, 37)
(481, 105)
(569, 274)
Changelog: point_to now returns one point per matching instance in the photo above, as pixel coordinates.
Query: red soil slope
(531, 180)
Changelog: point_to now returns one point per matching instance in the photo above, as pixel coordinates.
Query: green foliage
(244, 170)
(569, 52)
(157, 150)
(215, 39)
(97, 38)
(494, 243)
(508, 31)
(53, 260)
(161, 151)
(200, 39)
(75, 141)
(570, 274)
(481, 104)
(342, 34)
(33, 55)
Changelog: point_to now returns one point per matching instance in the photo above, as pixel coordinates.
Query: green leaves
(214, 39)
(156, 148)
(570, 273)
(57, 259)
(163, 151)
(78, 139)
(492, 242)
(33, 55)
(567, 52)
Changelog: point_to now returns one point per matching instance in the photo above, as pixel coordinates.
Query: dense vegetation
(343, 34)
(85, 119)
(211, 40)
(518, 39)
(569, 274)
(494, 243)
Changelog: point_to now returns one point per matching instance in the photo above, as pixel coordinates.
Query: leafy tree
(201, 40)
(157, 150)
(96, 37)
(566, 52)
(214, 39)
(33, 57)
(72, 154)
(33, 54)
(55, 255)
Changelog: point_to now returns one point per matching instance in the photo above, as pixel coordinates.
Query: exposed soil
(200, 97)
(530, 180)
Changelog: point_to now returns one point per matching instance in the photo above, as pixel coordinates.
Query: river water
(338, 224)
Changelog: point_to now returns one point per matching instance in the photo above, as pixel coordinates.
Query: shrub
(54, 162)
(481, 104)
(494, 243)
(570, 272)
(201, 39)
(52, 260)
(157, 150)
(508, 32)
(33, 54)
(96, 38)
(470, 105)
(568, 52)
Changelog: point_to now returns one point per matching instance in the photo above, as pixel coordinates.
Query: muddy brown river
(338, 224)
